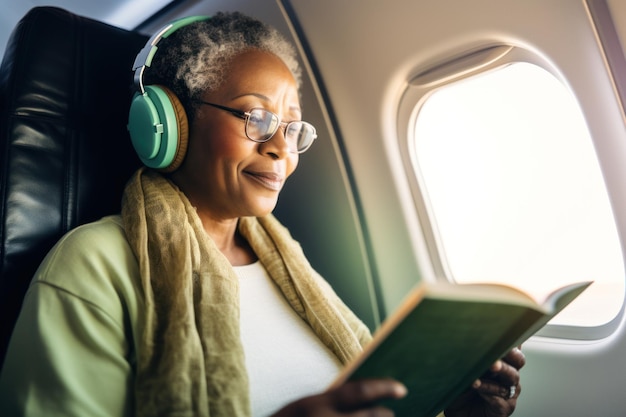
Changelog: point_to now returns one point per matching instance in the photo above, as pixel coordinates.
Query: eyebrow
(267, 99)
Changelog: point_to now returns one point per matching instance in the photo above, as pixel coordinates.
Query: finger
(353, 399)
(487, 400)
(357, 394)
(372, 412)
(515, 358)
(492, 388)
(504, 392)
(498, 404)
(507, 375)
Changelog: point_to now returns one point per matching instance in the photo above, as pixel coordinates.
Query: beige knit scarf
(190, 361)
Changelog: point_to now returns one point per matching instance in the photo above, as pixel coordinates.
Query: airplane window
(515, 191)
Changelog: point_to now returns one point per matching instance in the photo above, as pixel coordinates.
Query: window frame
(419, 88)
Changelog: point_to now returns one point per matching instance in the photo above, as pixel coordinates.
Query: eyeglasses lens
(301, 134)
(262, 124)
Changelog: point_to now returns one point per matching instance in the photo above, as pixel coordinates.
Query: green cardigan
(73, 349)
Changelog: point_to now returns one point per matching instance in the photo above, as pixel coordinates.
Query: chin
(263, 208)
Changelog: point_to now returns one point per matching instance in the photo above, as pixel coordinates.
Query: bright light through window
(516, 191)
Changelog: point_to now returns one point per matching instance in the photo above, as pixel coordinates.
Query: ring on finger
(512, 391)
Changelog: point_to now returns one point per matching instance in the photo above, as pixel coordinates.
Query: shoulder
(94, 263)
(100, 236)
(100, 246)
(78, 320)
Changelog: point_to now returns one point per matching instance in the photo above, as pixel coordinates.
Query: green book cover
(444, 336)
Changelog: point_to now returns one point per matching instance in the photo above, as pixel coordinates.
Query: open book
(444, 336)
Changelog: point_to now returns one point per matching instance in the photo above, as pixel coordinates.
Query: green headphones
(157, 122)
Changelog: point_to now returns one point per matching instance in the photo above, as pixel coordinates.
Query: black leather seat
(65, 91)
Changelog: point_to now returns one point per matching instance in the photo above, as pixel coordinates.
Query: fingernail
(400, 390)
(476, 383)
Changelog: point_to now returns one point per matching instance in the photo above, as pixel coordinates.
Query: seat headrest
(65, 92)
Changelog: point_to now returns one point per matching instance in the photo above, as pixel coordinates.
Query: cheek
(219, 146)
(231, 147)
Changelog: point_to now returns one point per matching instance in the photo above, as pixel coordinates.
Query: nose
(277, 146)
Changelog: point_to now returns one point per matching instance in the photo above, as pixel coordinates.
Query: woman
(159, 304)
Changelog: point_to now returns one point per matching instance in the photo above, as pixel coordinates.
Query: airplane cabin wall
(364, 52)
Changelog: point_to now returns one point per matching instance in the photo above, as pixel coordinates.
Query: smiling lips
(269, 180)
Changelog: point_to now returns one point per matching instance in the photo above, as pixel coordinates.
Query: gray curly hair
(195, 57)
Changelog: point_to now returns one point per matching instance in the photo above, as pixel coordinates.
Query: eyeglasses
(261, 125)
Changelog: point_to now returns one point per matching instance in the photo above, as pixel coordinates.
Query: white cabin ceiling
(122, 13)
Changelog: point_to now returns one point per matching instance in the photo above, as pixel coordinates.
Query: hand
(357, 398)
(490, 395)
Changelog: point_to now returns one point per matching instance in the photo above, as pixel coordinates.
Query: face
(225, 174)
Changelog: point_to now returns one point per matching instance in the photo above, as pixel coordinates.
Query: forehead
(259, 72)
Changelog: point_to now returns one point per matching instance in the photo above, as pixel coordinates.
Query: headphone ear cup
(158, 128)
(183, 131)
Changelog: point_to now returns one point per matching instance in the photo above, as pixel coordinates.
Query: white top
(285, 359)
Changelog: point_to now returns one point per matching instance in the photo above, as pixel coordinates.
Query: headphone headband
(145, 56)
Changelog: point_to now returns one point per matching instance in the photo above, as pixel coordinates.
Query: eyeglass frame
(245, 115)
